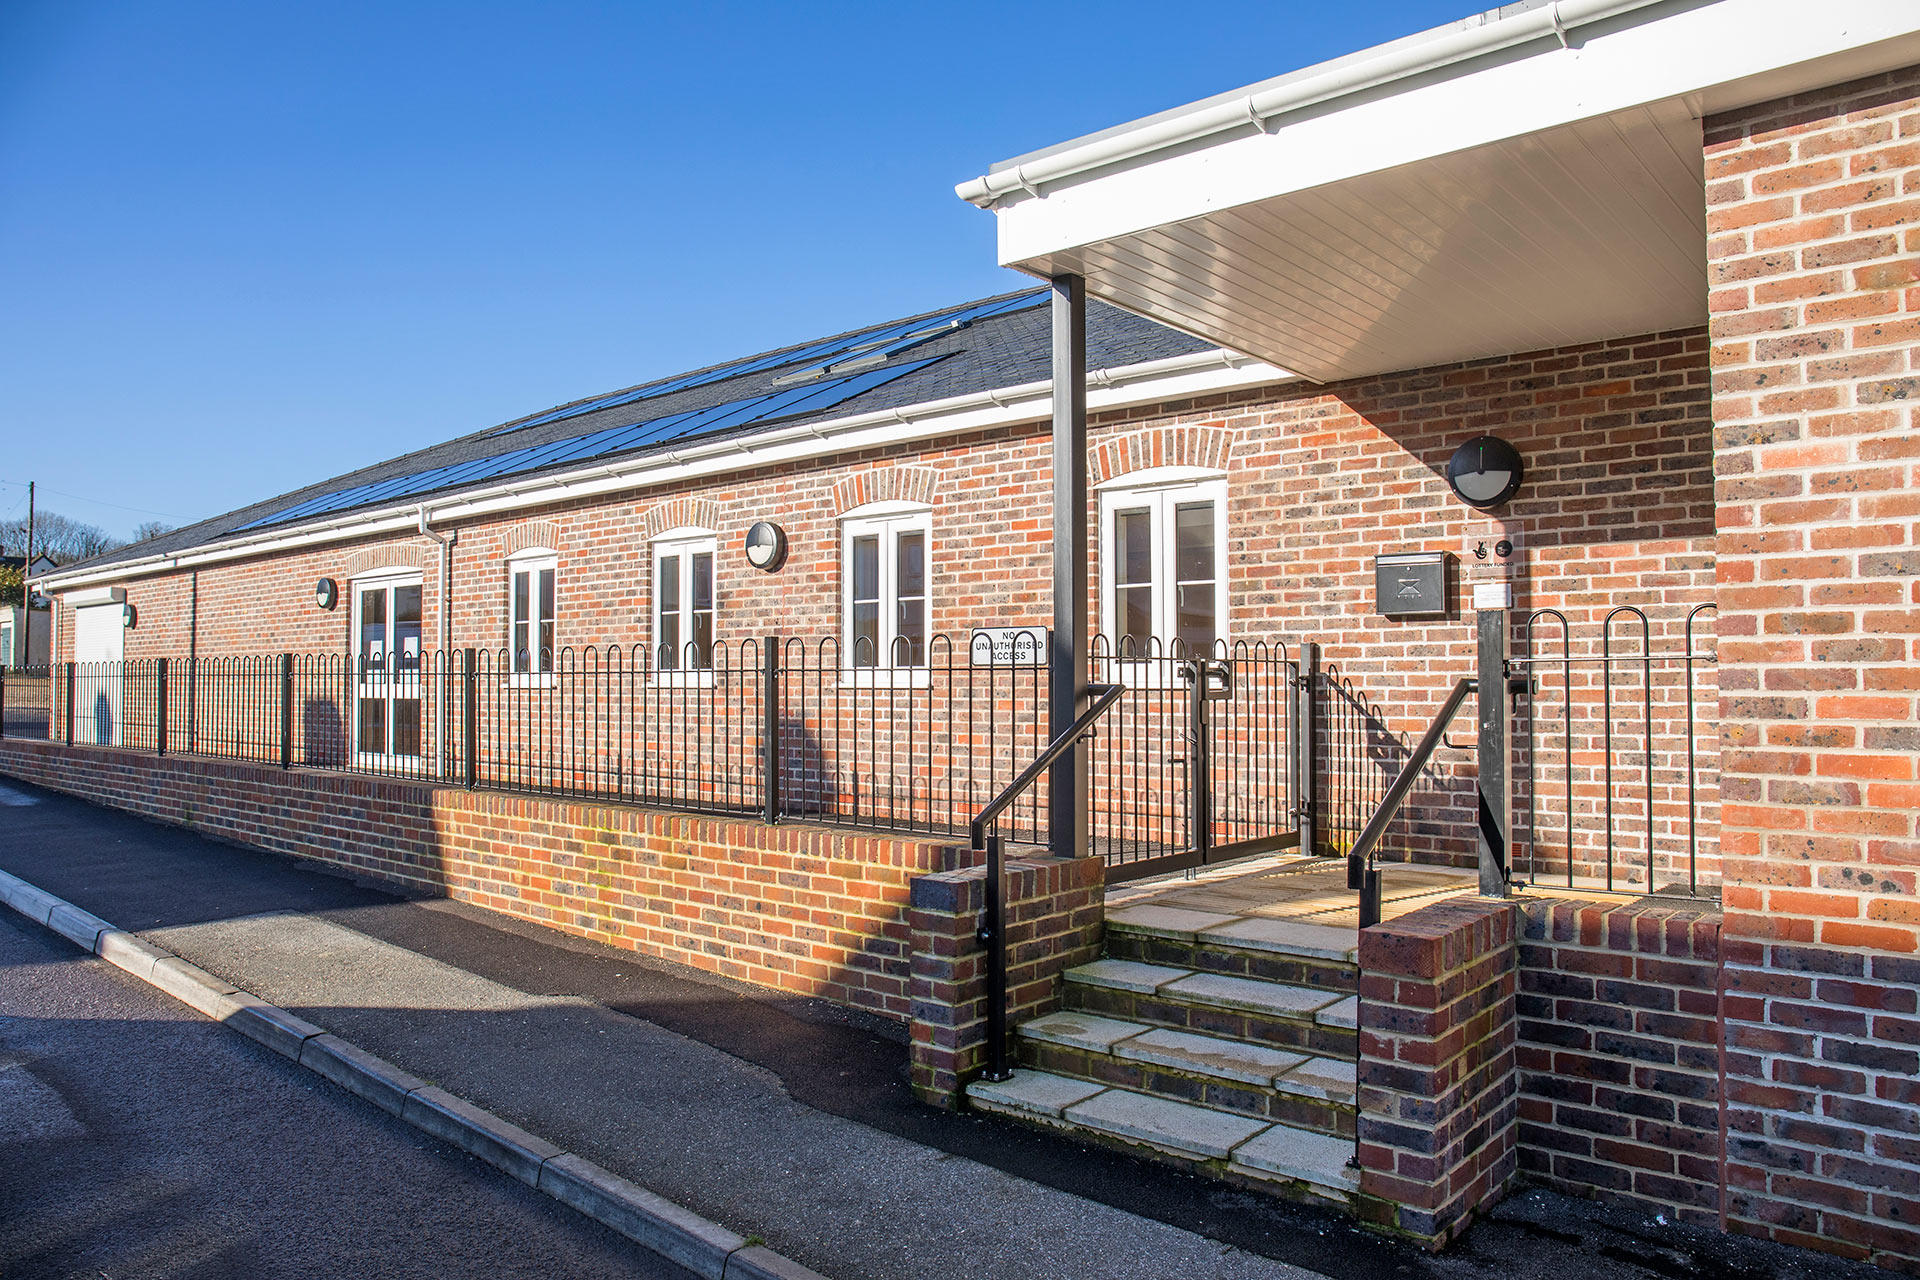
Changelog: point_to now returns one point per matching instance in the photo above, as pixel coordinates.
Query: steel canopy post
(1495, 760)
(1067, 784)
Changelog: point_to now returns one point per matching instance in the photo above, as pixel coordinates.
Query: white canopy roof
(1525, 179)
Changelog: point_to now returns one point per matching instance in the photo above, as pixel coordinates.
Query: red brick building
(1668, 253)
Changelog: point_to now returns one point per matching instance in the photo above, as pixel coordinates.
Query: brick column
(1814, 259)
(1055, 916)
(1437, 1082)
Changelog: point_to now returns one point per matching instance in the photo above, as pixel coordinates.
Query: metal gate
(1205, 758)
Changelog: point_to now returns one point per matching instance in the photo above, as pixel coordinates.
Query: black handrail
(993, 934)
(1359, 875)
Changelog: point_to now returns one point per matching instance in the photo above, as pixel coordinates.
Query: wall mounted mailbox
(1412, 584)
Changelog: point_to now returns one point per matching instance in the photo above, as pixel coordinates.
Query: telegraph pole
(25, 656)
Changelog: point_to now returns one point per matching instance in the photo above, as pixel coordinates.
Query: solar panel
(822, 354)
(770, 406)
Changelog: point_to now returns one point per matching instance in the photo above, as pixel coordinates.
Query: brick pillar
(1055, 917)
(1814, 259)
(1437, 1081)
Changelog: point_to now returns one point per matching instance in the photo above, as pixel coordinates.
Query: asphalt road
(138, 1139)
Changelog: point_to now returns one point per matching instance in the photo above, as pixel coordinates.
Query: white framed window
(684, 602)
(1163, 568)
(532, 605)
(886, 579)
(388, 634)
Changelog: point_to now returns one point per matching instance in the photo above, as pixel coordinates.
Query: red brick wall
(1436, 1080)
(1055, 912)
(804, 909)
(1617, 508)
(1816, 309)
(1619, 1053)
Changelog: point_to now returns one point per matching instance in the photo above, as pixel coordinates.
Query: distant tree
(13, 587)
(150, 530)
(61, 537)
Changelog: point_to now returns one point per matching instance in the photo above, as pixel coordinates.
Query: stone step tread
(1247, 995)
(1281, 1070)
(1249, 933)
(1181, 1128)
(1250, 995)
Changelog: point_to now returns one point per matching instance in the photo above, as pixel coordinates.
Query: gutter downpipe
(1554, 20)
(445, 542)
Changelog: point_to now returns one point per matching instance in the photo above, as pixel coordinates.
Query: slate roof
(997, 351)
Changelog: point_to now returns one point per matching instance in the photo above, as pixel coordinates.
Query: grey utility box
(1413, 584)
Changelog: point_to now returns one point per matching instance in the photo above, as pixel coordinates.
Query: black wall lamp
(1484, 472)
(325, 593)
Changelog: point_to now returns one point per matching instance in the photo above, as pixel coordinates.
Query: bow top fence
(1200, 752)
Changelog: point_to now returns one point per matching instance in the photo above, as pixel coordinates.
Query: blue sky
(245, 246)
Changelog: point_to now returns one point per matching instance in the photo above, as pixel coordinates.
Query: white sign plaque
(1008, 646)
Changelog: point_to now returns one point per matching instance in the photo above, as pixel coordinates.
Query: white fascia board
(1713, 57)
(1205, 373)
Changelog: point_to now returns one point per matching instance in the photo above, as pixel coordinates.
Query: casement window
(1163, 570)
(532, 600)
(885, 570)
(683, 600)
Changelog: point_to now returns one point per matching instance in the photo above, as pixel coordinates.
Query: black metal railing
(1205, 759)
(26, 695)
(1612, 770)
(986, 840)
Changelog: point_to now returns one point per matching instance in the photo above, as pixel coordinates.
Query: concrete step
(1277, 1157)
(1308, 1020)
(1284, 1085)
(1291, 951)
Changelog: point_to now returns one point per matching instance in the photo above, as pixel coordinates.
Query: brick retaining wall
(1436, 1080)
(812, 910)
(1619, 1053)
(1055, 913)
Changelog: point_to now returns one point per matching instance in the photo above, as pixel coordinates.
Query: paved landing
(1301, 906)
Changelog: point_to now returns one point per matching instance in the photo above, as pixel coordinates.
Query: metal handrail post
(1306, 718)
(3, 699)
(993, 935)
(470, 716)
(160, 707)
(286, 711)
(69, 708)
(770, 731)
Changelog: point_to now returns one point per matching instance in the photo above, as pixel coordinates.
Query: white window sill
(698, 678)
(887, 677)
(532, 680)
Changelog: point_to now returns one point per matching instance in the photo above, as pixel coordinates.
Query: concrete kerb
(703, 1247)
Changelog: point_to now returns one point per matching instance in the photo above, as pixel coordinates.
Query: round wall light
(766, 546)
(128, 617)
(325, 593)
(1484, 472)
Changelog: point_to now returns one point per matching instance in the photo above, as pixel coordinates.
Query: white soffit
(1539, 196)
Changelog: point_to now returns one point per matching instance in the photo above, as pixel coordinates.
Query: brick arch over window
(531, 533)
(680, 513)
(885, 484)
(1189, 446)
(372, 558)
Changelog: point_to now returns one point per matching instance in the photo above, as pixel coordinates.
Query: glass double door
(387, 678)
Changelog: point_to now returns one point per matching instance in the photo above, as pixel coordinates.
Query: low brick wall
(1619, 1053)
(812, 910)
(1823, 1099)
(1436, 1080)
(1056, 911)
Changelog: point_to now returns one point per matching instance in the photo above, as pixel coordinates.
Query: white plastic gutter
(1202, 373)
(1255, 109)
